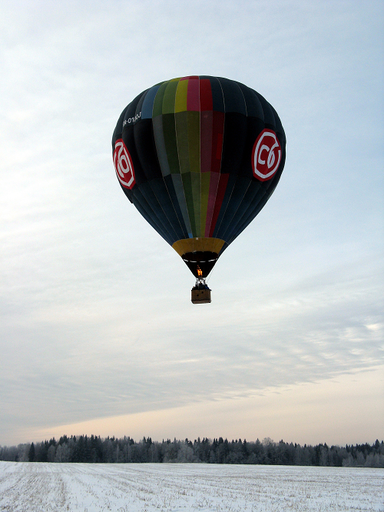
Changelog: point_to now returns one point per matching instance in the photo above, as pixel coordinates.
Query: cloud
(117, 358)
(95, 312)
(278, 413)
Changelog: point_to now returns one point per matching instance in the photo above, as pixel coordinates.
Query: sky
(97, 331)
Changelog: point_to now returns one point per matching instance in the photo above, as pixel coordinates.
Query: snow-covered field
(40, 487)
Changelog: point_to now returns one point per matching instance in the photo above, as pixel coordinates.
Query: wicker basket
(201, 296)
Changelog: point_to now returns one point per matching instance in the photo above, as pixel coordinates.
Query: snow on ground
(41, 487)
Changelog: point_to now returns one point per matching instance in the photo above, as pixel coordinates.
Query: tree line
(95, 449)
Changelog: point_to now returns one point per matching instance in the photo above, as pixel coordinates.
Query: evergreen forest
(94, 449)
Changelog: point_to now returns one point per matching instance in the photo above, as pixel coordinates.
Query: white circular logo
(123, 164)
(266, 155)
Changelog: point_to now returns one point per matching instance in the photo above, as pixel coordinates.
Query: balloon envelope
(199, 157)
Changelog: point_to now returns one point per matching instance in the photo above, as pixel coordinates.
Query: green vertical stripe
(193, 122)
(193, 127)
(178, 137)
(195, 182)
(169, 133)
(188, 149)
(187, 184)
(181, 122)
(169, 98)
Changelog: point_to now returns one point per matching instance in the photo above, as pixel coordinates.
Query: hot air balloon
(199, 157)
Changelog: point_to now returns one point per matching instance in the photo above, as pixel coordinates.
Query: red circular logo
(266, 155)
(123, 164)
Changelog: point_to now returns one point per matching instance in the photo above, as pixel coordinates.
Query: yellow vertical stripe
(181, 96)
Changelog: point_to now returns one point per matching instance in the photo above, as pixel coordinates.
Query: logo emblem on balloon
(266, 155)
(123, 164)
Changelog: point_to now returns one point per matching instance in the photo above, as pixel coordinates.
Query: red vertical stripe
(211, 140)
(218, 181)
(206, 124)
(213, 186)
(206, 95)
(219, 200)
(193, 94)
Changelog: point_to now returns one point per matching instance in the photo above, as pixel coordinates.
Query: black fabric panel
(139, 104)
(239, 191)
(249, 214)
(279, 127)
(160, 191)
(149, 215)
(259, 206)
(235, 131)
(272, 119)
(261, 198)
(253, 104)
(233, 97)
(227, 196)
(269, 117)
(117, 133)
(247, 204)
(165, 229)
(146, 148)
(130, 111)
(254, 127)
(172, 193)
